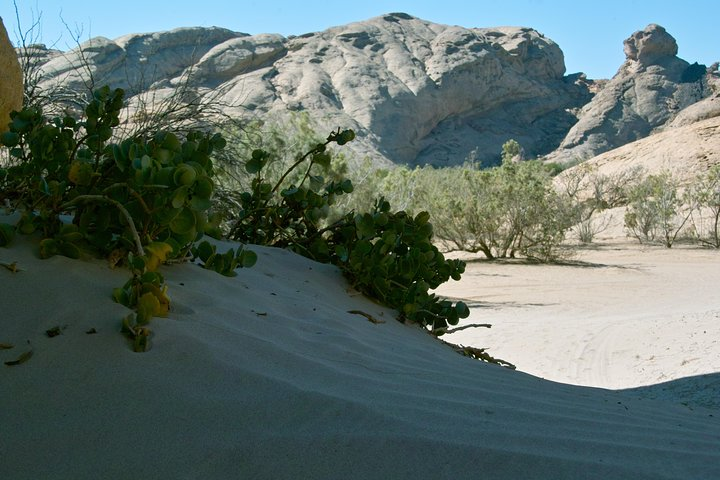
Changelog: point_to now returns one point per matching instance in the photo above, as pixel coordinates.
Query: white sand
(623, 316)
(266, 376)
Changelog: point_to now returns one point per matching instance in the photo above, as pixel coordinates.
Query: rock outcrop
(11, 79)
(416, 92)
(651, 87)
(684, 151)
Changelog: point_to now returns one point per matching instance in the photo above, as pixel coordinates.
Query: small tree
(656, 210)
(706, 192)
(502, 212)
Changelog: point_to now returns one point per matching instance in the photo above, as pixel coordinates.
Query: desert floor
(619, 315)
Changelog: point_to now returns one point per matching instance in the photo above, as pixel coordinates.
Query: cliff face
(415, 92)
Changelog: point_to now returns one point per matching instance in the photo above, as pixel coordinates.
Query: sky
(590, 34)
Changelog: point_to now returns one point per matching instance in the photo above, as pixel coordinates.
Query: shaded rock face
(11, 79)
(416, 92)
(651, 88)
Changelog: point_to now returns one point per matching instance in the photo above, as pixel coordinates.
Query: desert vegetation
(147, 199)
(143, 185)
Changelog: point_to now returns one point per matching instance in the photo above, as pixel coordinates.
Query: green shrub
(502, 212)
(657, 210)
(387, 255)
(143, 199)
(705, 192)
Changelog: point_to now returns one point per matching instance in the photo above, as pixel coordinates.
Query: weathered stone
(649, 45)
(684, 151)
(415, 92)
(648, 91)
(11, 79)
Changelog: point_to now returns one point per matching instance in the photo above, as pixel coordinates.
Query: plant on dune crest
(147, 200)
(387, 255)
(142, 200)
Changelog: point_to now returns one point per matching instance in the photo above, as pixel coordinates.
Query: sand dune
(267, 375)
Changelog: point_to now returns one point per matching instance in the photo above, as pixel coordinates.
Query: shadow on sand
(700, 391)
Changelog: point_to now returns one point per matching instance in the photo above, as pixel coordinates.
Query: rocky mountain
(416, 92)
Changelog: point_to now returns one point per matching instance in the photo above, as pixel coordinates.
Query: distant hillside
(416, 92)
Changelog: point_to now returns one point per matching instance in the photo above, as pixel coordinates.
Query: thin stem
(472, 325)
(125, 213)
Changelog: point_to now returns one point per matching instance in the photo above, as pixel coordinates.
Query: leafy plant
(387, 255)
(146, 199)
(705, 191)
(289, 215)
(223, 263)
(390, 256)
(145, 292)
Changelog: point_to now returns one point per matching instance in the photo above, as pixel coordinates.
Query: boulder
(11, 79)
(650, 45)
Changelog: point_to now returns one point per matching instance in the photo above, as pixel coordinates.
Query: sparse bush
(657, 210)
(512, 152)
(705, 191)
(502, 212)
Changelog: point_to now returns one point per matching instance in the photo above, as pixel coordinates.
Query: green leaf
(200, 204)
(204, 250)
(121, 296)
(365, 225)
(10, 139)
(165, 176)
(347, 186)
(184, 222)
(167, 215)
(69, 250)
(171, 142)
(185, 175)
(217, 141)
(48, 248)
(7, 233)
(323, 159)
(462, 310)
(204, 188)
(248, 258)
(147, 305)
(180, 196)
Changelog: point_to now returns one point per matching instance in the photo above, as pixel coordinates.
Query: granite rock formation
(416, 92)
(650, 89)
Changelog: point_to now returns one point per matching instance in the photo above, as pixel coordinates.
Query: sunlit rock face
(11, 80)
(416, 92)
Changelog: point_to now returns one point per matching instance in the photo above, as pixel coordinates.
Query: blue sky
(589, 33)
